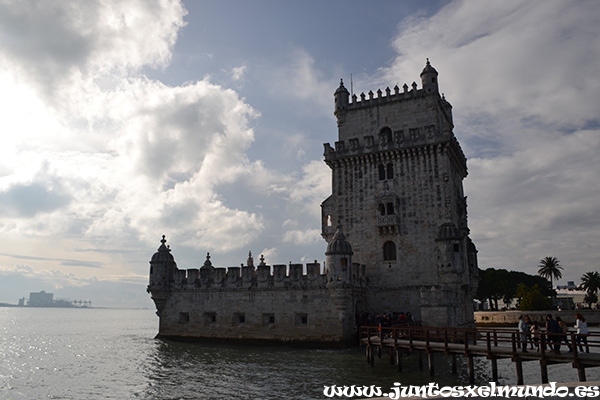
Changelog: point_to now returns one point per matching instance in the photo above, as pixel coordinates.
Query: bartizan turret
(429, 78)
(162, 271)
(339, 260)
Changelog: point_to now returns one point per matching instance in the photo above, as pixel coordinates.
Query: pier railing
(492, 343)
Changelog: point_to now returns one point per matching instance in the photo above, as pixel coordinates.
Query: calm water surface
(112, 354)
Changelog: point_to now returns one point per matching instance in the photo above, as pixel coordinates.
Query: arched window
(390, 208)
(381, 172)
(381, 209)
(389, 251)
(390, 171)
(385, 135)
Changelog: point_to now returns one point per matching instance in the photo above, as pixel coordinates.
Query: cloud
(299, 78)
(52, 43)
(522, 80)
(303, 237)
(126, 156)
(238, 73)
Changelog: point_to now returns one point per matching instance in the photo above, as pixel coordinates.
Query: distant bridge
(491, 343)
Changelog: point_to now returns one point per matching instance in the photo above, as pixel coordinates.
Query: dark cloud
(29, 200)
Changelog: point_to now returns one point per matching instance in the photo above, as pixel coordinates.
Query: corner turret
(341, 96)
(429, 78)
(162, 266)
(339, 259)
(162, 273)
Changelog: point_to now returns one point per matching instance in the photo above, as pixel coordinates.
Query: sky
(205, 121)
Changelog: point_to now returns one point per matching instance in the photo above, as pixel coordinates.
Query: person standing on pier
(565, 329)
(535, 333)
(553, 332)
(524, 332)
(582, 332)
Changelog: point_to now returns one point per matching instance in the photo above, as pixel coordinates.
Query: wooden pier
(492, 343)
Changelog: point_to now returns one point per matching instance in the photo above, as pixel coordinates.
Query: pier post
(494, 369)
(519, 365)
(471, 366)
(372, 356)
(544, 370)
(399, 359)
(581, 372)
(430, 359)
(454, 370)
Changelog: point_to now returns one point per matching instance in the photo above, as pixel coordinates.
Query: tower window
(344, 262)
(385, 135)
(389, 251)
(390, 171)
(390, 208)
(381, 209)
(184, 317)
(381, 172)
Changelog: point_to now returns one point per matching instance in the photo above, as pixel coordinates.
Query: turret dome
(163, 254)
(339, 244)
(428, 69)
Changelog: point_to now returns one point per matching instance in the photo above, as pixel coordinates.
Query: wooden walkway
(494, 344)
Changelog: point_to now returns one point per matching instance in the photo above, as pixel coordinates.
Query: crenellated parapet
(262, 277)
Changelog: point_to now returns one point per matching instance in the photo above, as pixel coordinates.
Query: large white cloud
(96, 151)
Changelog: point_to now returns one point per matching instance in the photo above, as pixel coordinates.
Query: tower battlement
(264, 277)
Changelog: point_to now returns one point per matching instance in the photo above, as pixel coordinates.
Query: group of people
(384, 320)
(556, 333)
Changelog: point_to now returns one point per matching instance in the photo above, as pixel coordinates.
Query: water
(112, 354)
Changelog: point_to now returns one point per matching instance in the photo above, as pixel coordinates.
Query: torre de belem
(396, 231)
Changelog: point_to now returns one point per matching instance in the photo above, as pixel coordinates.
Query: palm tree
(550, 268)
(590, 282)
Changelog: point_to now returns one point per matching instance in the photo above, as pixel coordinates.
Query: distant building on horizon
(40, 299)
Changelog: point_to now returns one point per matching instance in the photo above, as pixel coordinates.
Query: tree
(550, 268)
(533, 300)
(496, 284)
(590, 282)
(590, 298)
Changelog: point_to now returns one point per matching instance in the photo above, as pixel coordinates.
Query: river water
(56, 353)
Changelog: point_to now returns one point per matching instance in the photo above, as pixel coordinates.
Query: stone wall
(284, 315)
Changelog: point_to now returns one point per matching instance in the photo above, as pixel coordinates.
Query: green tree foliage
(590, 282)
(496, 284)
(550, 268)
(534, 300)
(590, 298)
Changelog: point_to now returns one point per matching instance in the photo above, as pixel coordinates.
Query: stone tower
(397, 183)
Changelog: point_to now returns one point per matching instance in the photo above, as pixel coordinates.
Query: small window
(390, 208)
(386, 135)
(328, 221)
(381, 209)
(210, 318)
(390, 171)
(301, 319)
(456, 248)
(268, 318)
(239, 318)
(381, 172)
(389, 251)
(344, 262)
(184, 317)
